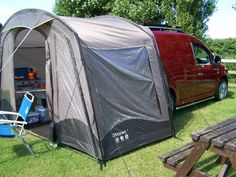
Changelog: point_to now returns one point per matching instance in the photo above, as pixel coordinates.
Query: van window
(201, 55)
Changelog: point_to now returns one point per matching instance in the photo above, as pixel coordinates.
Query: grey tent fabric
(30, 18)
(106, 88)
(7, 84)
(132, 92)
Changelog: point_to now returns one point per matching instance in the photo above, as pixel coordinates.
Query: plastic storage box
(42, 113)
(33, 117)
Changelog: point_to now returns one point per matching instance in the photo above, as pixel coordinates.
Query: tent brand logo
(121, 136)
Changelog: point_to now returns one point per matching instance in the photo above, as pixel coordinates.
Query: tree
(0, 27)
(81, 8)
(224, 47)
(143, 12)
(191, 15)
(139, 11)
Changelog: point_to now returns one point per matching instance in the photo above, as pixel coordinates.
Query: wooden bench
(219, 138)
(175, 157)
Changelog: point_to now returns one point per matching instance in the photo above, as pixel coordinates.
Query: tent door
(30, 65)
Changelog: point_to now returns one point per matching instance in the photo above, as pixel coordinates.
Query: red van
(193, 72)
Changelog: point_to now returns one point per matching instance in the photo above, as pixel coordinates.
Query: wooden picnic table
(219, 138)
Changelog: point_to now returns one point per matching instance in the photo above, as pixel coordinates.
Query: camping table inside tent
(219, 138)
(39, 94)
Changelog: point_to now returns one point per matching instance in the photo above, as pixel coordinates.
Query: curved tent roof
(90, 30)
(28, 18)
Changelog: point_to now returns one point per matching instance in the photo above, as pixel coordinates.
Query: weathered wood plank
(195, 135)
(190, 161)
(232, 159)
(231, 145)
(194, 172)
(174, 160)
(218, 132)
(167, 155)
(221, 140)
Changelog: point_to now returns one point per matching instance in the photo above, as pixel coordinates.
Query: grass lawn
(64, 161)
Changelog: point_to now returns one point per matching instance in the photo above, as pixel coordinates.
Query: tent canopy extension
(106, 89)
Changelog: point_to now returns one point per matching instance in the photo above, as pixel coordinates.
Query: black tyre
(222, 90)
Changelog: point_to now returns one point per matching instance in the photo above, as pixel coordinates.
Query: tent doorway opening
(29, 71)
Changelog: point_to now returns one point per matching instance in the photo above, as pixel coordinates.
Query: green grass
(64, 161)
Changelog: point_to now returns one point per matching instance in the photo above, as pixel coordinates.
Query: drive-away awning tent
(106, 89)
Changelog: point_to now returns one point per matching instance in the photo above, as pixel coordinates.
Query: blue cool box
(21, 72)
(6, 131)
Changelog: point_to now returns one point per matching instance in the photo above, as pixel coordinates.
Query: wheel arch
(224, 78)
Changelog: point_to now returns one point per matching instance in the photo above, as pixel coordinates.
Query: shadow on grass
(184, 116)
(40, 148)
(231, 95)
(210, 163)
(20, 150)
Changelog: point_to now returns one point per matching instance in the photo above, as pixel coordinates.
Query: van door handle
(217, 70)
(200, 74)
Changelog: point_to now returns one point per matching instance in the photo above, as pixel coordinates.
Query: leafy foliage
(81, 8)
(144, 12)
(224, 47)
(191, 15)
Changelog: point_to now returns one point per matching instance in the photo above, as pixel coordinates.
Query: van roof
(165, 28)
(169, 32)
(187, 36)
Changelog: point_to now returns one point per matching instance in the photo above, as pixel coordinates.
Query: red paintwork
(190, 82)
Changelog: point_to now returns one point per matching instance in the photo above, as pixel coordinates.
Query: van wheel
(222, 90)
(172, 102)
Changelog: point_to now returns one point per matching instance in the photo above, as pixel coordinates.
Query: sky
(222, 24)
